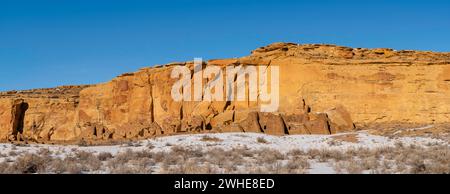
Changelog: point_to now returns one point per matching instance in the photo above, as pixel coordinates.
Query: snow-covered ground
(233, 140)
(227, 141)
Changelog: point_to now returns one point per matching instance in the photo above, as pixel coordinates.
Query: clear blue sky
(48, 43)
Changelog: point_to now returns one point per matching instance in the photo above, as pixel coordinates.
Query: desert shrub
(83, 155)
(158, 156)
(57, 166)
(197, 153)
(150, 146)
(188, 167)
(275, 168)
(296, 152)
(269, 156)
(73, 168)
(136, 166)
(143, 154)
(125, 169)
(87, 160)
(370, 163)
(44, 152)
(133, 144)
(313, 153)
(352, 167)
(385, 152)
(172, 159)
(364, 152)
(401, 168)
(29, 164)
(92, 164)
(297, 165)
(440, 154)
(121, 159)
(437, 168)
(145, 163)
(242, 151)
(334, 142)
(387, 166)
(126, 156)
(417, 164)
(4, 168)
(236, 158)
(178, 150)
(12, 153)
(216, 156)
(228, 168)
(325, 155)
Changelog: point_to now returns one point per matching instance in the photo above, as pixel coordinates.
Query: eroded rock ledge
(324, 89)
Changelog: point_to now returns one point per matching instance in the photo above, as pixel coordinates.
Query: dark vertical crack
(286, 129)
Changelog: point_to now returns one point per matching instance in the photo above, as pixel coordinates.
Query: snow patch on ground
(234, 140)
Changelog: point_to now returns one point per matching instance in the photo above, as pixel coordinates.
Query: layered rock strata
(324, 89)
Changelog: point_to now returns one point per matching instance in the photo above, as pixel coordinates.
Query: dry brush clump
(261, 140)
(182, 160)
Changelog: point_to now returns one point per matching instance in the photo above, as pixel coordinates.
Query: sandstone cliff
(324, 89)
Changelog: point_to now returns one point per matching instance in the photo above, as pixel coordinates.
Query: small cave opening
(19, 111)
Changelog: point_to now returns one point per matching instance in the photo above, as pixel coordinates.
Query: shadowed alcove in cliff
(19, 110)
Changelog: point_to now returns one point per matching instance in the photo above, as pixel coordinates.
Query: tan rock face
(324, 89)
(339, 120)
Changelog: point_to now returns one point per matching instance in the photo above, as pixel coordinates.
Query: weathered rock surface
(324, 89)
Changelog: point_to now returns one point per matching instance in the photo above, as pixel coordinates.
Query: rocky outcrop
(324, 89)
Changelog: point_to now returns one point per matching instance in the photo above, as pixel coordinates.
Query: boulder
(251, 124)
(295, 123)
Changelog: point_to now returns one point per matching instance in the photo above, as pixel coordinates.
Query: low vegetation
(261, 140)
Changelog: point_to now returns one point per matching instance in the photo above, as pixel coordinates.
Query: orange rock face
(324, 89)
